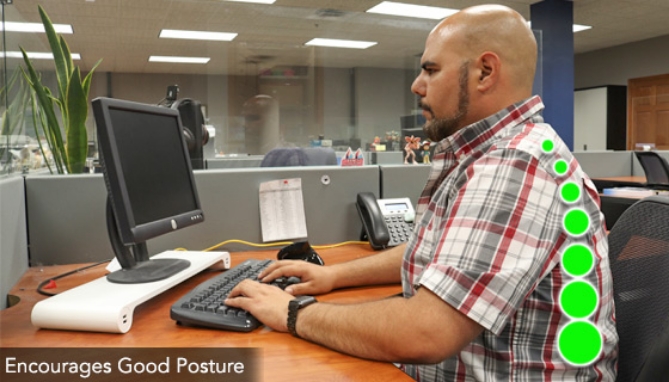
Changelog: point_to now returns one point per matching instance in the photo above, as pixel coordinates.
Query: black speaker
(195, 132)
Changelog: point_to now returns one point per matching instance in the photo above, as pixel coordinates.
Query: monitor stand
(136, 266)
(104, 306)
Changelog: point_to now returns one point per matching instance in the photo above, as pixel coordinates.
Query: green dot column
(579, 341)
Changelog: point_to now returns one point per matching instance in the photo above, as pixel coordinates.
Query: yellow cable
(340, 244)
(272, 244)
(275, 244)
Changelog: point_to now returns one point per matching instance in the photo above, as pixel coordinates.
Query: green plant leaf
(89, 76)
(77, 110)
(46, 105)
(72, 101)
(14, 116)
(58, 57)
(42, 124)
(67, 55)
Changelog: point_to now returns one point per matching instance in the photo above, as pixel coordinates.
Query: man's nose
(418, 86)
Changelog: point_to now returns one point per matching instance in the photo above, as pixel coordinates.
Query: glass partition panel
(19, 140)
(267, 87)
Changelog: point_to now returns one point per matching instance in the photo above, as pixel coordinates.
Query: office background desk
(284, 357)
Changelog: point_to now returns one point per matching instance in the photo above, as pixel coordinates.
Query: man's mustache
(425, 107)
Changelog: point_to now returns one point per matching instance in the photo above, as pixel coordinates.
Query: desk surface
(285, 358)
(625, 179)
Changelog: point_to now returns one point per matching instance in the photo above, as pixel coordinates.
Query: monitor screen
(156, 176)
(148, 175)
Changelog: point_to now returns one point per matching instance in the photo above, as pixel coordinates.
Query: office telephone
(385, 222)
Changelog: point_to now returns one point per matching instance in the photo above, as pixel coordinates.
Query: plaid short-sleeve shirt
(489, 240)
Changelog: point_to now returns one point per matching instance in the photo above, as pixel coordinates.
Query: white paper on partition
(282, 210)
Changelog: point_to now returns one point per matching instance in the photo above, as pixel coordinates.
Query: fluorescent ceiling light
(255, 1)
(578, 27)
(36, 55)
(180, 60)
(334, 43)
(411, 10)
(35, 27)
(197, 35)
(575, 27)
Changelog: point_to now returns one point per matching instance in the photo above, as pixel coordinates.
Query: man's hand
(316, 279)
(267, 303)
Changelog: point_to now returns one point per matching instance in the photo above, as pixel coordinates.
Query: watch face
(302, 301)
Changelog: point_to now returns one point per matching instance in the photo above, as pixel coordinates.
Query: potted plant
(69, 153)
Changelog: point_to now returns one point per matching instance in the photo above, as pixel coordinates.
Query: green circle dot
(577, 260)
(578, 299)
(547, 146)
(560, 167)
(580, 343)
(570, 192)
(576, 222)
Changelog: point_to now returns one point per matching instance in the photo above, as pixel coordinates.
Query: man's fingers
(286, 270)
(241, 289)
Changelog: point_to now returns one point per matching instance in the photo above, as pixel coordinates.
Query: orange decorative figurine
(412, 143)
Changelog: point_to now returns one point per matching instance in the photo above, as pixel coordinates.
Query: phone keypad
(398, 228)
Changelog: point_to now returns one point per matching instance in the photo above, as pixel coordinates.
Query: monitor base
(149, 271)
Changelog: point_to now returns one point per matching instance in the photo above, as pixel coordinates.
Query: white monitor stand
(103, 306)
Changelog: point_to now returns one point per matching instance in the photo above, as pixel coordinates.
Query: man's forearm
(382, 268)
(421, 329)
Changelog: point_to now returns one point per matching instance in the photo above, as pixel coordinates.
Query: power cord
(41, 285)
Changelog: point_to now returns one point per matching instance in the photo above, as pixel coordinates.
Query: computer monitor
(150, 184)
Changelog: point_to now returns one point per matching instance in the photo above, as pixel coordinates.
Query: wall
(614, 66)
(380, 99)
(337, 123)
(590, 119)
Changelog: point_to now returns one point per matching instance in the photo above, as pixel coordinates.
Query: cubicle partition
(605, 164)
(66, 214)
(245, 161)
(398, 181)
(13, 235)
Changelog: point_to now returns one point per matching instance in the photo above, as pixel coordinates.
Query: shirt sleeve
(495, 239)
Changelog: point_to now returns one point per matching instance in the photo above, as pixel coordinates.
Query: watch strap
(293, 308)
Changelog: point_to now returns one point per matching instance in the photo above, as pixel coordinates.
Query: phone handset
(385, 222)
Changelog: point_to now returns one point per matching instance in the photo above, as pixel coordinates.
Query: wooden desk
(625, 179)
(285, 358)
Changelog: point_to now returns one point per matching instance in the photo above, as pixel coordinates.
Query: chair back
(639, 253)
(297, 156)
(655, 167)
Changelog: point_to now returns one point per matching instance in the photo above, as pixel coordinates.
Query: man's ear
(488, 65)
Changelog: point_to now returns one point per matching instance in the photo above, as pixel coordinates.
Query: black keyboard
(203, 305)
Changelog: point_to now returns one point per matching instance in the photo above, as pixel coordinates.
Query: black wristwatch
(294, 306)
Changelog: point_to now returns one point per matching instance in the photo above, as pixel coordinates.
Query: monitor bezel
(129, 231)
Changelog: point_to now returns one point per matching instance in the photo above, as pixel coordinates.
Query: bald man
(481, 273)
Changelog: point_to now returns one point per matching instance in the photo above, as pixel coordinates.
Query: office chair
(297, 156)
(655, 167)
(639, 253)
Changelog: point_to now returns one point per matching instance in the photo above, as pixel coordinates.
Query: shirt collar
(467, 139)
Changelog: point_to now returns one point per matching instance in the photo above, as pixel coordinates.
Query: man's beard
(440, 128)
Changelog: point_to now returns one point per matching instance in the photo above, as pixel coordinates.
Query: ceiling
(123, 33)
